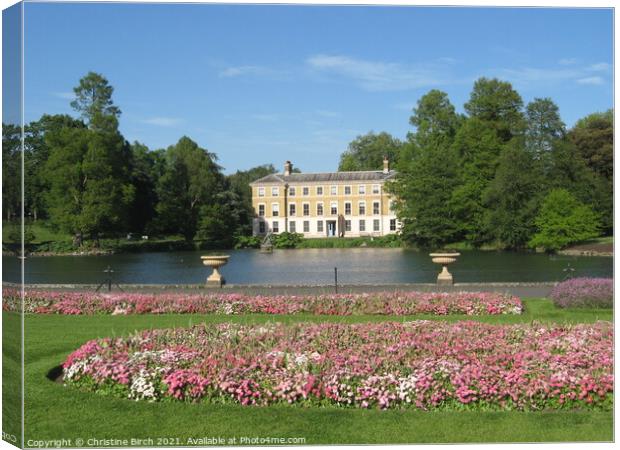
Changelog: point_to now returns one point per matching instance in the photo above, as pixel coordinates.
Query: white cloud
(599, 67)
(64, 95)
(581, 74)
(590, 80)
(163, 121)
(251, 70)
(379, 76)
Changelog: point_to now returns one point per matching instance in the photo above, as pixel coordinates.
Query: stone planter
(215, 262)
(444, 277)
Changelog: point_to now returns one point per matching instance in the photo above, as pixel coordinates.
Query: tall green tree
(594, 137)
(427, 174)
(513, 196)
(367, 152)
(477, 146)
(191, 180)
(93, 98)
(497, 103)
(11, 171)
(87, 171)
(543, 128)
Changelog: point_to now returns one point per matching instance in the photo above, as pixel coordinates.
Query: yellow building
(324, 204)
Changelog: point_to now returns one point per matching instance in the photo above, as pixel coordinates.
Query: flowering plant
(390, 303)
(420, 364)
(584, 293)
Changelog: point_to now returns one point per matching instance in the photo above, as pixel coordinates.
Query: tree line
(83, 178)
(502, 173)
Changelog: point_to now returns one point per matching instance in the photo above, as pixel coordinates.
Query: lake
(306, 267)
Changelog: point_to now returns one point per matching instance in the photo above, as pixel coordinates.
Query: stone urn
(215, 262)
(444, 277)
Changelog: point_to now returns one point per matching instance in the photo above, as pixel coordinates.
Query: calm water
(307, 267)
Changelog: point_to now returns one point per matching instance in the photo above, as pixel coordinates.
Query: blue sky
(263, 84)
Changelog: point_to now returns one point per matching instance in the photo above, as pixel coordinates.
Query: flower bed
(584, 293)
(395, 303)
(421, 364)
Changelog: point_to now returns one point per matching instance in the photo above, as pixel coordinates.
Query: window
(392, 205)
(319, 190)
(362, 225)
(334, 190)
(274, 227)
(375, 207)
(306, 207)
(305, 191)
(291, 209)
(261, 210)
(274, 191)
(362, 208)
(319, 226)
(291, 226)
(275, 209)
(347, 225)
(347, 190)
(261, 191)
(375, 188)
(306, 226)
(333, 208)
(291, 191)
(392, 224)
(376, 224)
(319, 209)
(261, 227)
(347, 208)
(361, 189)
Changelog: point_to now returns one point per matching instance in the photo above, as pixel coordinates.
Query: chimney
(386, 165)
(288, 168)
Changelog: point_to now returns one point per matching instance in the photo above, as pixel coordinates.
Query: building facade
(346, 204)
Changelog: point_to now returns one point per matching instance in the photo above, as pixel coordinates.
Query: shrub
(584, 293)
(287, 240)
(563, 220)
(247, 241)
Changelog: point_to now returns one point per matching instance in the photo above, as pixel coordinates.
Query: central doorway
(331, 228)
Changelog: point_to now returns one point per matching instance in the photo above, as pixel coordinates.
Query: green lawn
(54, 411)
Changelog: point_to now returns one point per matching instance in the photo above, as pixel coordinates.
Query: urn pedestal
(444, 277)
(215, 262)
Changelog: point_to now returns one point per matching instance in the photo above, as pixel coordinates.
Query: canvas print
(298, 224)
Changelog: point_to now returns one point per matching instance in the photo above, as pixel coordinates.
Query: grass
(54, 411)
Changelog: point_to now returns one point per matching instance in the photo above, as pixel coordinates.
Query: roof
(362, 175)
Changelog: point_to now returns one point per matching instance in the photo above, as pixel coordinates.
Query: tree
(190, 181)
(513, 197)
(434, 118)
(497, 103)
(594, 137)
(367, 152)
(478, 146)
(93, 98)
(146, 169)
(427, 174)
(424, 185)
(88, 168)
(11, 171)
(543, 127)
(562, 221)
(239, 184)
